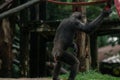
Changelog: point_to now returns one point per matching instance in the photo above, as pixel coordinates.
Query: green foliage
(16, 52)
(91, 75)
(16, 71)
(102, 41)
(93, 11)
(57, 12)
(114, 14)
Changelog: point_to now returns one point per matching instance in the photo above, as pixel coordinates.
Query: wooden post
(5, 48)
(83, 43)
(42, 14)
(6, 35)
(38, 44)
(24, 42)
(94, 56)
(37, 55)
(24, 53)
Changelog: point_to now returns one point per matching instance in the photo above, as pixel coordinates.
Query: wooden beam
(19, 8)
(4, 5)
(102, 32)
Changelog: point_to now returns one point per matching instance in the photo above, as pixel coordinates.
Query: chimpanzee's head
(77, 15)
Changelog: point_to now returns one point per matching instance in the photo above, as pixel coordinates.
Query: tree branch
(4, 5)
(19, 8)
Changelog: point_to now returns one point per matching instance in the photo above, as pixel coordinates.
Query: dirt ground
(25, 79)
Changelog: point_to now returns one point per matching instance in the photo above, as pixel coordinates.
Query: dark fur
(64, 39)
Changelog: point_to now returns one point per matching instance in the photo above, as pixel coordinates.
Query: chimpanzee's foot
(56, 78)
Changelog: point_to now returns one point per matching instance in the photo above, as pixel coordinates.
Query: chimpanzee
(64, 38)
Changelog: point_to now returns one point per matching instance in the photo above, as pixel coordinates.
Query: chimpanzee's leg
(73, 62)
(56, 71)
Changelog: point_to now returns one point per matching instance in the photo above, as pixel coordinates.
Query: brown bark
(5, 49)
(83, 43)
(6, 56)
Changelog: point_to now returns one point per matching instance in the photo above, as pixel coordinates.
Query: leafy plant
(91, 75)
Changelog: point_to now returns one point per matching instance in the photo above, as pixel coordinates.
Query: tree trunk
(5, 49)
(6, 56)
(83, 43)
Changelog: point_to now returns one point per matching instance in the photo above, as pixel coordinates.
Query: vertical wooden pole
(42, 9)
(38, 43)
(37, 55)
(6, 35)
(24, 52)
(94, 56)
(5, 48)
(24, 42)
(83, 42)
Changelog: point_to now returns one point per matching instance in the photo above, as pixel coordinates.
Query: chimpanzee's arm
(88, 28)
(94, 24)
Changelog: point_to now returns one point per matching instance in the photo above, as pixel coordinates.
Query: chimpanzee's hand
(106, 12)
